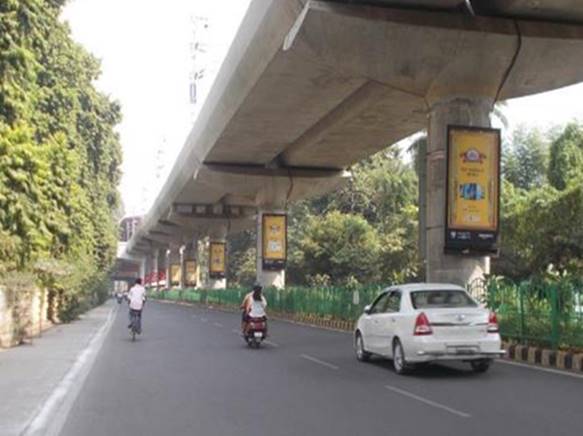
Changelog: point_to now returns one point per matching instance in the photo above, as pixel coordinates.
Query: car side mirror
(367, 309)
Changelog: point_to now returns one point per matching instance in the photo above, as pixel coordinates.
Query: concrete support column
(442, 267)
(154, 268)
(162, 262)
(173, 260)
(143, 267)
(266, 277)
(217, 234)
(190, 254)
(167, 268)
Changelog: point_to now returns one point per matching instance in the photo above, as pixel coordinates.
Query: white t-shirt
(137, 295)
(258, 308)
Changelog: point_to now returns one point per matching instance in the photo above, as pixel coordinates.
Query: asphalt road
(191, 374)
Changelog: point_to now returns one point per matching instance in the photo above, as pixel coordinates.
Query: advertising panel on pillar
(190, 274)
(473, 190)
(175, 274)
(274, 232)
(217, 261)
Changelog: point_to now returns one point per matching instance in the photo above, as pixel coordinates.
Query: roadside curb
(557, 359)
(536, 356)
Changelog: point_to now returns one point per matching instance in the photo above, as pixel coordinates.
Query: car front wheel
(361, 354)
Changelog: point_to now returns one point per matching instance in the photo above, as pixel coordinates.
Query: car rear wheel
(399, 362)
(481, 365)
(361, 354)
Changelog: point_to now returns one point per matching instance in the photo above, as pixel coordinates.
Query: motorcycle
(255, 332)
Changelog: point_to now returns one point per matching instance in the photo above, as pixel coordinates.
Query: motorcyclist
(253, 306)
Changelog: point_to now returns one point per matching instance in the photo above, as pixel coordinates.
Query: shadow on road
(431, 370)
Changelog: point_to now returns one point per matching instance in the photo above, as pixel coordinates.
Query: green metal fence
(326, 302)
(538, 313)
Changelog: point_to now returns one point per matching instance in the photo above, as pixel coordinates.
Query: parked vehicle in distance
(424, 322)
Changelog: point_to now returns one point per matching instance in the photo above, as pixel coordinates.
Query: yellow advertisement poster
(191, 273)
(217, 258)
(274, 237)
(473, 179)
(175, 274)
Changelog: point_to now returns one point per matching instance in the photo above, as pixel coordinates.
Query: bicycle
(135, 321)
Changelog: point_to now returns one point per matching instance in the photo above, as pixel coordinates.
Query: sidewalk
(30, 373)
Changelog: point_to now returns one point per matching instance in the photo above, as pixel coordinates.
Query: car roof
(411, 287)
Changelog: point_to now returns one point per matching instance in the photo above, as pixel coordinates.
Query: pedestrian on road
(137, 298)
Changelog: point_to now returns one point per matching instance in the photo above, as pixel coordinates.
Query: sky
(144, 48)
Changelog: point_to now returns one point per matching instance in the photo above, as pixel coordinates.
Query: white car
(424, 322)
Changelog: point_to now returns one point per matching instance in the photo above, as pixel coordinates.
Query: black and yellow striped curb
(558, 359)
(562, 360)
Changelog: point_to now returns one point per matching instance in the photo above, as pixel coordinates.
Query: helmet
(257, 286)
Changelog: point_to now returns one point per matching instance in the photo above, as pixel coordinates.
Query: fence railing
(326, 302)
(545, 313)
(548, 314)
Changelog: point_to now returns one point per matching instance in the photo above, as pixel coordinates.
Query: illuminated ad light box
(217, 260)
(190, 275)
(473, 190)
(274, 232)
(175, 274)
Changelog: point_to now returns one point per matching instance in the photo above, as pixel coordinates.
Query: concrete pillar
(167, 268)
(190, 254)
(217, 234)
(268, 277)
(154, 268)
(142, 273)
(173, 260)
(442, 267)
(161, 266)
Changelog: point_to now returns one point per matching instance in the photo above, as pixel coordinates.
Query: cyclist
(136, 298)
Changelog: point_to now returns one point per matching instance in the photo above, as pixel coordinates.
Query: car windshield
(441, 299)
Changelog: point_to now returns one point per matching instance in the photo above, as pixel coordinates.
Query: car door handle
(393, 320)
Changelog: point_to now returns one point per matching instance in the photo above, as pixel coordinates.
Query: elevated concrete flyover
(309, 88)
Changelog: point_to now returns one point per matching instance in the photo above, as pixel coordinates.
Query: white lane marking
(52, 415)
(217, 324)
(273, 344)
(318, 361)
(428, 402)
(204, 319)
(540, 368)
(236, 331)
(194, 316)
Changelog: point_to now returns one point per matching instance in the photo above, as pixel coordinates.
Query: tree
(566, 157)
(524, 162)
(59, 153)
(342, 246)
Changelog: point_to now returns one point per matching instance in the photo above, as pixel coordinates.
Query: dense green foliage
(59, 154)
(542, 204)
(365, 232)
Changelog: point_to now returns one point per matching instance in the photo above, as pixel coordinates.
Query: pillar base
(271, 279)
(217, 284)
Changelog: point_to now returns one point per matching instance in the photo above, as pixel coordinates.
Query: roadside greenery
(366, 231)
(59, 157)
